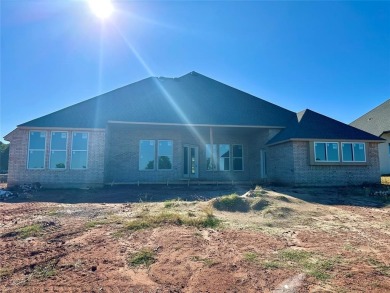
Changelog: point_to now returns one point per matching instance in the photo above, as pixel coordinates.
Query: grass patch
(5, 272)
(283, 198)
(207, 261)
(44, 272)
(379, 267)
(30, 231)
(171, 203)
(250, 257)
(313, 265)
(260, 204)
(231, 203)
(272, 265)
(144, 257)
(278, 213)
(145, 221)
(113, 219)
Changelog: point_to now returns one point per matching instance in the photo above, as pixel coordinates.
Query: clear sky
(331, 56)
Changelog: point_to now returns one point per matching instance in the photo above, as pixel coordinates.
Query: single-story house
(377, 122)
(185, 129)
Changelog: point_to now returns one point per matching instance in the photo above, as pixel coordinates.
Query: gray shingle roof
(307, 125)
(376, 121)
(190, 99)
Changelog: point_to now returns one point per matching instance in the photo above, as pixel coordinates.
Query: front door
(190, 161)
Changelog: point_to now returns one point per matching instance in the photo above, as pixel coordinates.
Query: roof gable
(190, 99)
(308, 125)
(376, 121)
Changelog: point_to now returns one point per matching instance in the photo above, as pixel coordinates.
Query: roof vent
(369, 119)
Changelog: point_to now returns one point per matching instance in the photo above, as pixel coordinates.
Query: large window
(58, 150)
(326, 152)
(165, 154)
(224, 157)
(147, 154)
(36, 150)
(79, 150)
(353, 152)
(237, 157)
(211, 157)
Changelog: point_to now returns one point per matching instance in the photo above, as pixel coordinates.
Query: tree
(4, 155)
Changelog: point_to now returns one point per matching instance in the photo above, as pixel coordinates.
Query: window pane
(165, 148)
(146, 154)
(211, 165)
(237, 164)
(224, 157)
(164, 162)
(79, 160)
(57, 159)
(165, 154)
(36, 159)
(359, 152)
(58, 141)
(332, 152)
(80, 141)
(185, 160)
(347, 152)
(224, 164)
(37, 140)
(320, 153)
(224, 151)
(237, 150)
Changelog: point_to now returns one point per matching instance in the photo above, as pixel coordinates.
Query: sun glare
(101, 8)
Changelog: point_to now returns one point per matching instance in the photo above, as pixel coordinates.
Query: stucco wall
(289, 163)
(19, 174)
(122, 152)
(384, 156)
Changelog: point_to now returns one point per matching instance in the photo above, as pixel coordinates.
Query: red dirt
(65, 256)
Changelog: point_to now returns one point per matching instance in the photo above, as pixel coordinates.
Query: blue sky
(332, 57)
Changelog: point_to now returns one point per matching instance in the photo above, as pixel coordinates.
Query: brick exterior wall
(122, 152)
(19, 174)
(289, 163)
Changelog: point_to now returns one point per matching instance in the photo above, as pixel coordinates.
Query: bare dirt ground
(288, 240)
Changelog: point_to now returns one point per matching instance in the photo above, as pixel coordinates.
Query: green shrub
(231, 203)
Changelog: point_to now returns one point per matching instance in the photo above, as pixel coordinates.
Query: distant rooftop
(376, 121)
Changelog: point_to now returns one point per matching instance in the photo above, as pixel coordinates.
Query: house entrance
(190, 161)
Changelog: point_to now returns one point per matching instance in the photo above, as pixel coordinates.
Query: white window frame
(29, 149)
(158, 154)
(66, 150)
(218, 158)
(75, 150)
(353, 152)
(326, 152)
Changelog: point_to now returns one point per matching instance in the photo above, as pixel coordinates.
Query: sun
(101, 8)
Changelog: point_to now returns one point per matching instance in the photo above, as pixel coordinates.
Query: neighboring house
(377, 122)
(191, 128)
